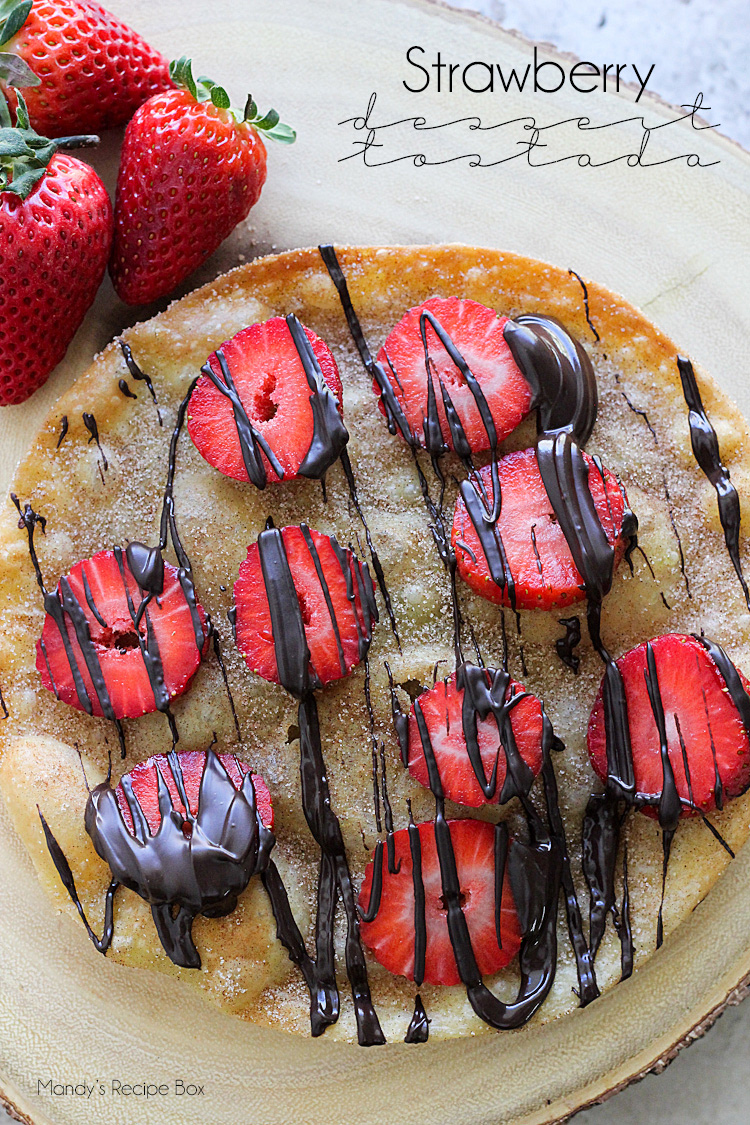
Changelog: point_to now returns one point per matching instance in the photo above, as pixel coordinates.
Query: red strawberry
(538, 555)
(442, 711)
(192, 764)
(101, 589)
(477, 333)
(699, 715)
(94, 70)
(190, 170)
(55, 235)
(270, 380)
(390, 936)
(337, 634)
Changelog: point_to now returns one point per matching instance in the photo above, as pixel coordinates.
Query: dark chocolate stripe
(330, 435)
(62, 866)
(559, 372)
(326, 830)
(89, 422)
(420, 924)
(288, 629)
(705, 446)
(418, 1030)
(251, 439)
(125, 389)
(327, 595)
(180, 873)
(585, 292)
(395, 416)
(168, 527)
(138, 374)
(377, 565)
(376, 890)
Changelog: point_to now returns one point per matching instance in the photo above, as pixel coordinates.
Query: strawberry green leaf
(23, 184)
(284, 134)
(15, 71)
(13, 145)
(220, 97)
(205, 89)
(270, 121)
(268, 124)
(181, 73)
(22, 116)
(13, 17)
(24, 154)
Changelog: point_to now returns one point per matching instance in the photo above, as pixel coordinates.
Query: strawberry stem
(24, 154)
(85, 140)
(205, 89)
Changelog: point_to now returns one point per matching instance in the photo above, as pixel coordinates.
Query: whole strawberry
(190, 170)
(55, 237)
(88, 70)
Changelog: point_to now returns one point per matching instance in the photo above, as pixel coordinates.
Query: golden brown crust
(642, 434)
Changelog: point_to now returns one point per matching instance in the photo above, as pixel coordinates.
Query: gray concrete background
(696, 45)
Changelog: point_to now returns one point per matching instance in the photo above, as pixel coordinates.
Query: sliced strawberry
(272, 386)
(442, 708)
(477, 333)
(390, 936)
(699, 714)
(100, 586)
(145, 786)
(338, 634)
(541, 565)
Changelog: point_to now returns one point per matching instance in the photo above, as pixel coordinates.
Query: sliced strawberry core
(350, 626)
(270, 380)
(192, 764)
(698, 712)
(544, 573)
(441, 707)
(477, 333)
(101, 589)
(390, 936)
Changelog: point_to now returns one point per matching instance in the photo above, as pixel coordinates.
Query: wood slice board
(674, 241)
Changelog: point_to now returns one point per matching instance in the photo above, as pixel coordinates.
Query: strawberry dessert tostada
(382, 672)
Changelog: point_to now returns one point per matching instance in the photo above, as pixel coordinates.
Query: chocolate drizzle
(59, 604)
(705, 446)
(298, 677)
(125, 389)
(330, 435)
(89, 422)
(199, 864)
(376, 563)
(559, 373)
(138, 374)
(195, 863)
(334, 876)
(63, 606)
(62, 866)
(419, 1027)
(63, 430)
(676, 533)
(585, 291)
(147, 567)
(564, 646)
(565, 395)
(251, 439)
